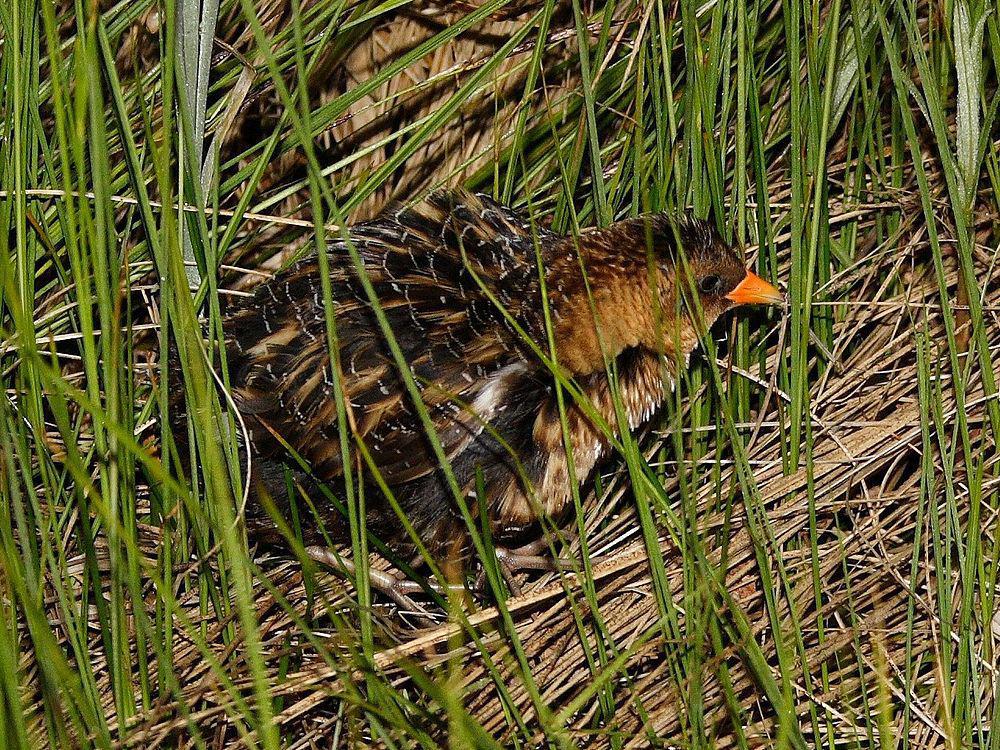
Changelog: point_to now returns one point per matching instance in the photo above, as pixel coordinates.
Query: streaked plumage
(459, 283)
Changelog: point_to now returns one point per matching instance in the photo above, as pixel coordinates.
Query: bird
(488, 313)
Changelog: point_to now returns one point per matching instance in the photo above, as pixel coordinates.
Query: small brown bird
(459, 282)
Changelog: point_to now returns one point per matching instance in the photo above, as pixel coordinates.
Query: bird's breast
(592, 425)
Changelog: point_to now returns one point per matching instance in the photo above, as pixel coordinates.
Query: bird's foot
(399, 590)
(535, 555)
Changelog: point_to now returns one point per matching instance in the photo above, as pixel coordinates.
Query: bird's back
(458, 283)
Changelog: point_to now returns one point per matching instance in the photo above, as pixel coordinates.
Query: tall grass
(801, 553)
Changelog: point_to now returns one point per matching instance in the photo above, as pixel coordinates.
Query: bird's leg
(535, 555)
(400, 590)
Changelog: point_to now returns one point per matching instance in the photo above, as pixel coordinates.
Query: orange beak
(753, 290)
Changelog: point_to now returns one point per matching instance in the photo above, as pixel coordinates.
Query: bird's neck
(613, 310)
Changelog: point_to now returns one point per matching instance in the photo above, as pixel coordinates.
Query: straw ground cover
(800, 552)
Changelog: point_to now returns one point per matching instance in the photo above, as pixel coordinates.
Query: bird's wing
(458, 284)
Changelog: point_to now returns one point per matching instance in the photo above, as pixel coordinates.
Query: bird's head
(700, 276)
(657, 283)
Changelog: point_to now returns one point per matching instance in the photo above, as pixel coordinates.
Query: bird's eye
(710, 284)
